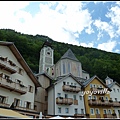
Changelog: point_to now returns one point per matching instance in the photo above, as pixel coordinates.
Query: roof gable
(113, 83)
(21, 60)
(69, 55)
(87, 82)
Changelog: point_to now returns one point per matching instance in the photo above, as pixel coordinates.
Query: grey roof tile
(70, 55)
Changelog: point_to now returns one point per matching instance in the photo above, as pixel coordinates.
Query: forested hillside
(94, 61)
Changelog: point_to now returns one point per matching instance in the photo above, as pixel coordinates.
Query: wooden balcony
(99, 103)
(99, 91)
(98, 116)
(65, 101)
(12, 86)
(24, 108)
(116, 104)
(78, 115)
(4, 104)
(71, 88)
(7, 65)
(107, 115)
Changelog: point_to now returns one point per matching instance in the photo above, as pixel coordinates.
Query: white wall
(58, 89)
(6, 52)
(114, 95)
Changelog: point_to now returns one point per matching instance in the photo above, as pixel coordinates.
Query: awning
(11, 113)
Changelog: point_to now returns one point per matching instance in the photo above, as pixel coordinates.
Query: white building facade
(114, 94)
(17, 82)
(65, 97)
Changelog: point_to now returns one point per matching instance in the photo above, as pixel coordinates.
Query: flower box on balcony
(110, 100)
(99, 88)
(102, 100)
(114, 114)
(60, 97)
(21, 85)
(87, 114)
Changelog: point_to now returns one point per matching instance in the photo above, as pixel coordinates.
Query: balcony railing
(66, 101)
(4, 104)
(116, 104)
(99, 103)
(24, 108)
(7, 65)
(78, 115)
(12, 86)
(98, 116)
(99, 91)
(71, 88)
(107, 115)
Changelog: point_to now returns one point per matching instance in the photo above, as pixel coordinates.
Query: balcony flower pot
(114, 114)
(21, 85)
(110, 100)
(102, 100)
(99, 88)
(87, 114)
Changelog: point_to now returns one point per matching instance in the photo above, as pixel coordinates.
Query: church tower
(46, 57)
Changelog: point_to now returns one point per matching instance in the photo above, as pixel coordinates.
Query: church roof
(70, 55)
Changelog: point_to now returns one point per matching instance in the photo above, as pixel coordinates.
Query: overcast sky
(89, 24)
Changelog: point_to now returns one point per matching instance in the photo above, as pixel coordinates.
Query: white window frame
(59, 110)
(67, 110)
(91, 85)
(93, 111)
(104, 111)
(98, 110)
(109, 111)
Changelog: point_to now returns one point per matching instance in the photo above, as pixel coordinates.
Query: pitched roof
(21, 61)
(113, 83)
(64, 77)
(70, 55)
(47, 43)
(92, 78)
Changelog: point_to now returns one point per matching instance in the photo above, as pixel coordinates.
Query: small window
(114, 89)
(59, 94)
(119, 112)
(105, 111)
(74, 84)
(94, 97)
(89, 97)
(115, 99)
(94, 86)
(106, 98)
(74, 96)
(20, 71)
(109, 111)
(71, 83)
(97, 111)
(66, 95)
(91, 85)
(67, 83)
(63, 83)
(118, 90)
(80, 97)
(66, 110)
(92, 111)
(82, 111)
(76, 111)
(59, 110)
(30, 88)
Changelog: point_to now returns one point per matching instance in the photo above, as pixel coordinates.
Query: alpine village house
(63, 88)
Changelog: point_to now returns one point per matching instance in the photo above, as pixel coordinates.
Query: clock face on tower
(48, 52)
